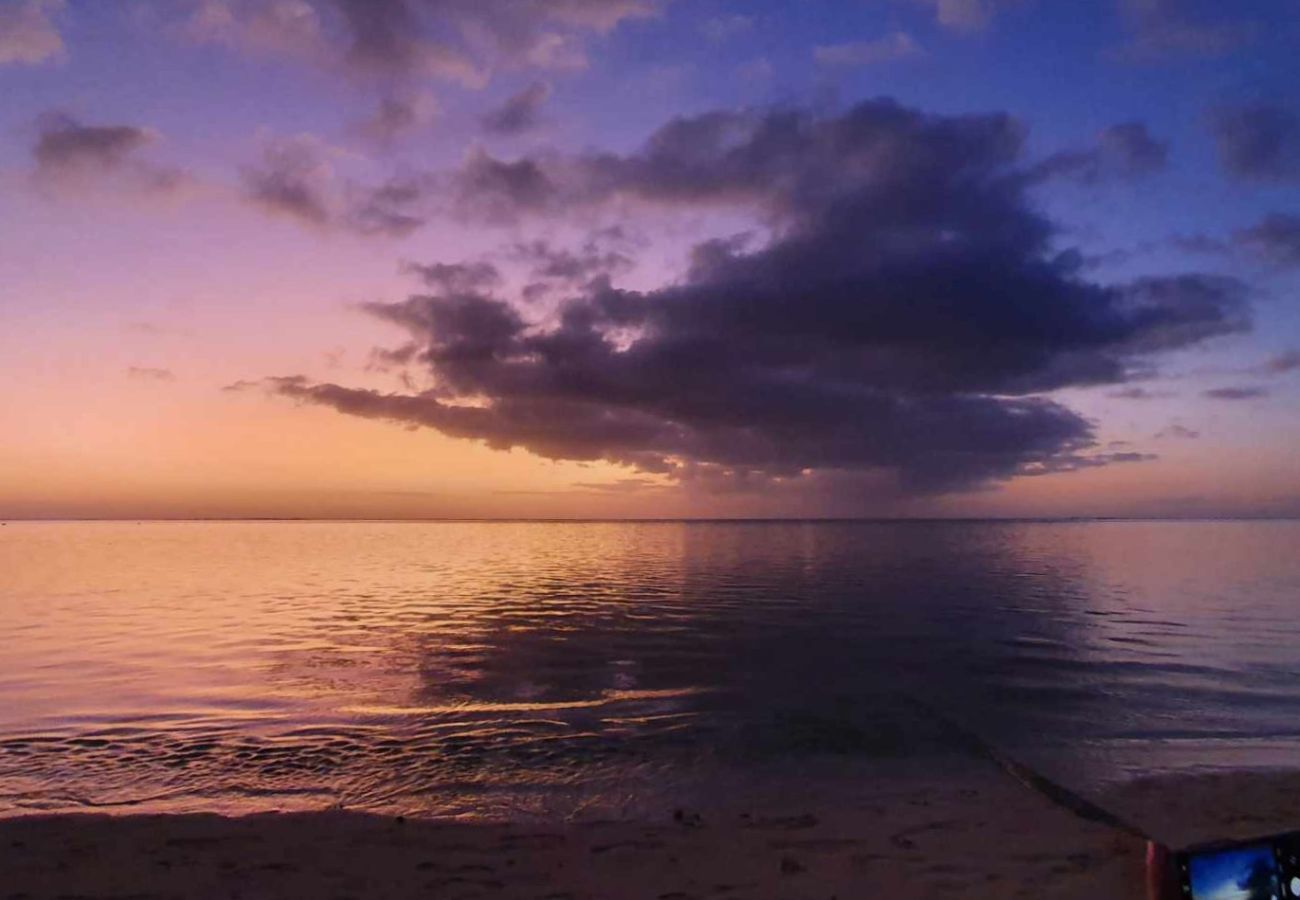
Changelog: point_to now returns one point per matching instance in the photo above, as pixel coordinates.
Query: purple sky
(649, 258)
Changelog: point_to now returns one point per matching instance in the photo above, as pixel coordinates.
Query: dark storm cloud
(520, 112)
(905, 310)
(1235, 393)
(1257, 141)
(1125, 150)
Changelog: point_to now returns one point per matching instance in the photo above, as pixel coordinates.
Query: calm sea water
(502, 668)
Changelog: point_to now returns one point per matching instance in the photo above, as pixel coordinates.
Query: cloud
(1178, 431)
(1235, 393)
(965, 15)
(520, 112)
(395, 208)
(721, 28)
(147, 373)
(296, 179)
(1275, 239)
(1125, 150)
(458, 278)
(395, 117)
(72, 155)
(1288, 361)
(1257, 141)
(398, 40)
(905, 314)
(1168, 28)
(27, 32)
(892, 47)
(552, 266)
(1137, 393)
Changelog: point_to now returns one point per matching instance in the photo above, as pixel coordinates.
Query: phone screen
(1247, 872)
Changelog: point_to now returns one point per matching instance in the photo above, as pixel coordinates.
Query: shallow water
(562, 669)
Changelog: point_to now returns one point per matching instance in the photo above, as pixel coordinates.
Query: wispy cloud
(898, 45)
(1236, 393)
(149, 373)
(1161, 29)
(28, 35)
(1125, 150)
(520, 112)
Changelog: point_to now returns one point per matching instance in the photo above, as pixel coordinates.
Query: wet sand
(973, 834)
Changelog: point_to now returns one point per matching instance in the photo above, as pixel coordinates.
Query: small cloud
(721, 28)
(892, 47)
(1288, 361)
(756, 70)
(621, 486)
(1162, 29)
(1138, 393)
(294, 179)
(966, 16)
(520, 112)
(1178, 431)
(156, 330)
(148, 373)
(1235, 393)
(27, 32)
(1125, 150)
(1276, 240)
(71, 155)
(396, 117)
(1257, 141)
(557, 52)
(1198, 243)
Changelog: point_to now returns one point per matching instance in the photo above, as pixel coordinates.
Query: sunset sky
(556, 258)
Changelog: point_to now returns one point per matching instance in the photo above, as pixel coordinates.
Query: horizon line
(655, 519)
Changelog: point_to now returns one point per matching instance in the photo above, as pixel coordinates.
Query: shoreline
(968, 830)
(974, 833)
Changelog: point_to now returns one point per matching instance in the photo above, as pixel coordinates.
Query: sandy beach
(978, 834)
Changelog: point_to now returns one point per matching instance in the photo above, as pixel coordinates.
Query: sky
(649, 258)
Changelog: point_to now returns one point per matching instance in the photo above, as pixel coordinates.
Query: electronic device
(1262, 869)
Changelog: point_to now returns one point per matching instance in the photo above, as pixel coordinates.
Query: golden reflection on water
(429, 665)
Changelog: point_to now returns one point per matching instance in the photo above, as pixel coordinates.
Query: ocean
(548, 669)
